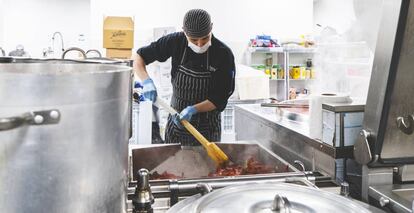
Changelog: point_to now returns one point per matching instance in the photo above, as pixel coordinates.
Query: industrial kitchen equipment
(64, 130)
(193, 162)
(268, 197)
(191, 189)
(189, 169)
(385, 147)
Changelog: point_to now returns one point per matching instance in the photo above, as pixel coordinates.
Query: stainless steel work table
(287, 138)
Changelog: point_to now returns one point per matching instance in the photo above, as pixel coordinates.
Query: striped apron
(191, 86)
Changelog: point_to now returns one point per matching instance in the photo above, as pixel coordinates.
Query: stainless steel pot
(107, 61)
(64, 137)
(267, 197)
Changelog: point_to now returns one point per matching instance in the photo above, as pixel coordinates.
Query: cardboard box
(119, 53)
(118, 32)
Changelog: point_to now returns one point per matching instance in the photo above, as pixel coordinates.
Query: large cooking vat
(64, 130)
(193, 162)
(193, 166)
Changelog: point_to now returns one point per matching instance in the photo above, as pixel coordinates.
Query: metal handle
(305, 181)
(74, 49)
(281, 204)
(3, 53)
(384, 201)
(301, 164)
(30, 118)
(93, 50)
(204, 188)
(406, 124)
(159, 102)
(12, 122)
(362, 152)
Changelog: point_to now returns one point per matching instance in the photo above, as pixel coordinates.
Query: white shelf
(266, 49)
(281, 50)
(312, 79)
(293, 79)
(300, 50)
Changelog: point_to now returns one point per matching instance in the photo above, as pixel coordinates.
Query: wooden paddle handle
(195, 133)
(186, 124)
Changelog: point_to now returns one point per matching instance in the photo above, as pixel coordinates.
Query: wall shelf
(281, 55)
(266, 49)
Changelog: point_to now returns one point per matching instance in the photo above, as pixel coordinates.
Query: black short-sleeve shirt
(220, 58)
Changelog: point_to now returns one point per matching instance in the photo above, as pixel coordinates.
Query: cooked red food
(255, 167)
(165, 175)
(252, 167)
(232, 170)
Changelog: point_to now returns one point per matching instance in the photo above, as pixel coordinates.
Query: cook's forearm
(205, 106)
(139, 68)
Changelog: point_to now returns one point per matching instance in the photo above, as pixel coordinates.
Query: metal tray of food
(171, 161)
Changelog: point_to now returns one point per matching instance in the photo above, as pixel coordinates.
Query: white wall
(1, 22)
(32, 23)
(234, 21)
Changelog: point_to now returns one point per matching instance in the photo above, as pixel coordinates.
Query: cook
(202, 77)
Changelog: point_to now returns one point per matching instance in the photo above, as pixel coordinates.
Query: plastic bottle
(267, 71)
(82, 44)
(273, 73)
(280, 73)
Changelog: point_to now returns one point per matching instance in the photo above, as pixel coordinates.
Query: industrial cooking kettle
(64, 130)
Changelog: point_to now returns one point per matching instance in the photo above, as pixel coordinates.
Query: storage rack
(283, 56)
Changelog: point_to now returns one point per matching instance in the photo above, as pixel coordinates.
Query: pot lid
(270, 198)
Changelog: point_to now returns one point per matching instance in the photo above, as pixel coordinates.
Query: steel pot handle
(3, 53)
(301, 165)
(30, 118)
(74, 49)
(406, 124)
(93, 50)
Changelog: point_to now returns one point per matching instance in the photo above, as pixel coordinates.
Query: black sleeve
(222, 86)
(159, 50)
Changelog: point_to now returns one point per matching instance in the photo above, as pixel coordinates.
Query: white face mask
(197, 49)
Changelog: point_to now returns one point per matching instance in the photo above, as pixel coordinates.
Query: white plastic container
(141, 123)
(251, 84)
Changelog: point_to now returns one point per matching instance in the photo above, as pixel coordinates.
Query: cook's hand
(186, 114)
(149, 91)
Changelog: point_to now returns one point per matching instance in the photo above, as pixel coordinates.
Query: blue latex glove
(149, 91)
(186, 114)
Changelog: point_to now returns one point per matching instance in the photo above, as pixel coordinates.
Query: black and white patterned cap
(197, 23)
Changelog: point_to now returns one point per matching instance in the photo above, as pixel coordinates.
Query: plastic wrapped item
(19, 52)
(251, 84)
(315, 110)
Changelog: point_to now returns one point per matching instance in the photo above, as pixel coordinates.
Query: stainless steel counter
(287, 138)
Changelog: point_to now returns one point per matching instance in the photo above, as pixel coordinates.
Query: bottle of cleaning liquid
(82, 44)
